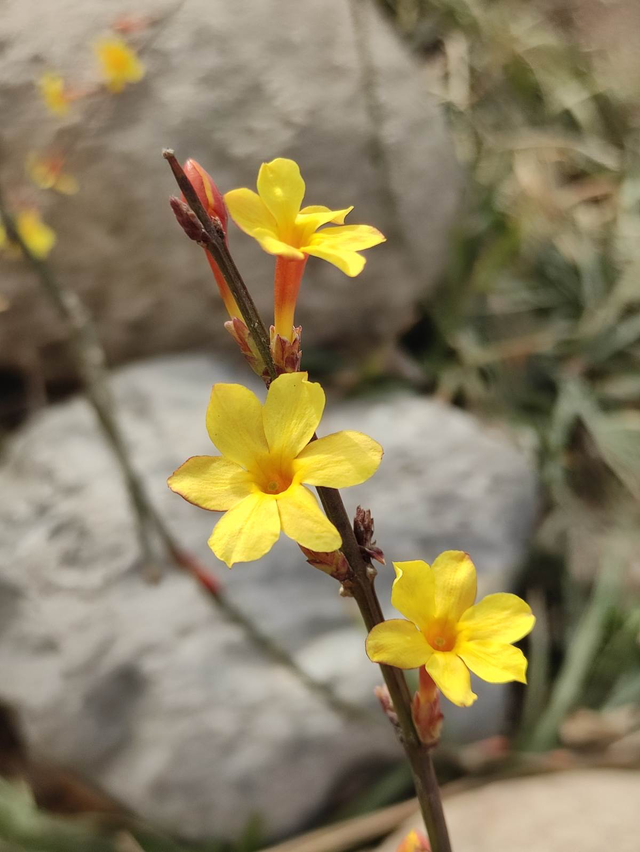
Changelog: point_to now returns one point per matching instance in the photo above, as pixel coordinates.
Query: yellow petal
(54, 95)
(348, 262)
(339, 460)
(211, 482)
(494, 662)
(451, 677)
(349, 237)
(234, 424)
(281, 187)
(304, 521)
(119, 63)
(250, 214)
(291, 413)
(38, 237)
(247, 531)
(323, 215)
(398, 643)
(501, 618)
(309, 219)
(277, 247)
(455, 578)
(413, 591)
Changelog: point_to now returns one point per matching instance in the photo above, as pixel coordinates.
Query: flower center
(273, 476)
(441, 635)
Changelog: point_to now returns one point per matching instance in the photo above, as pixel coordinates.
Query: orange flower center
(441, 635)
(274, 476)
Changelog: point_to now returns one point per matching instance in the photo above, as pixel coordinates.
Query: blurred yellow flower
(274, 218)
(54, 93)
(266, 458)
(47, 173)
(414, 841)
(119, 62)
(446, 633)
(38, 237)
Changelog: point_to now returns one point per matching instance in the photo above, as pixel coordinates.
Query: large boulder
(232, 84)
(158, 698)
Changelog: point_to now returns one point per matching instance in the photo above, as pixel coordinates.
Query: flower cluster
(270, 455)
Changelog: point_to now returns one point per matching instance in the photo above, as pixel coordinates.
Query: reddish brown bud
(187, 219)
(383, 696)
(286, 353)
(334, 564)
(240, 333)
(363, 529)
(425, 709)
(208, 193)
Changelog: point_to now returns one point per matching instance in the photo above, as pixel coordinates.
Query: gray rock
(582, 809)
(160, 700)
(232, 85)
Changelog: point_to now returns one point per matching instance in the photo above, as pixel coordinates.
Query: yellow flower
(38, 237)
(274, 218)
(266, 458)
(446, 633)
(120, 64)
(54, 93)
(47, 173)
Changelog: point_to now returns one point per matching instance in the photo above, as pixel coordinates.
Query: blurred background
(150, 699)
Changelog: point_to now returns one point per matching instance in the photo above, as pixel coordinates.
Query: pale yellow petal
(451, 677)
(250, 214)
(413, 591)
(272, 245)
(66, 185)
(281, 187)
(501, 618)
(398, 643)
(323, 215)
(291, 414)
(339, 460)
(494, 662)
(247, 531)
(234, 424)
(304, 521)
(211, 482)
(309, 219)
(455, 578)
(348, 237)
(348, 262)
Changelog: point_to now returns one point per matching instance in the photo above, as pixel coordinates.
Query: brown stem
(363, 590)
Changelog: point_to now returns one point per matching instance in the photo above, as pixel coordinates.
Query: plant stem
(363, 590)
(92, 366)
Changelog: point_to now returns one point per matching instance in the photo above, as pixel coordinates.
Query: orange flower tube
(287, 280)
(211, 199)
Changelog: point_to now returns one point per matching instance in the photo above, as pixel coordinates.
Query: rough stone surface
(584, 810)
(231, 84)
(162, 702)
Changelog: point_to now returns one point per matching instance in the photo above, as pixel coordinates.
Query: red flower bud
(208, 193)
(425, 709)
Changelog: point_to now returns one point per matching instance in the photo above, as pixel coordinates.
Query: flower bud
(425, 709)
(208, 193)
(240, 333)
(286, 352)
(363, 529)
(335, 564)
(415, 841)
